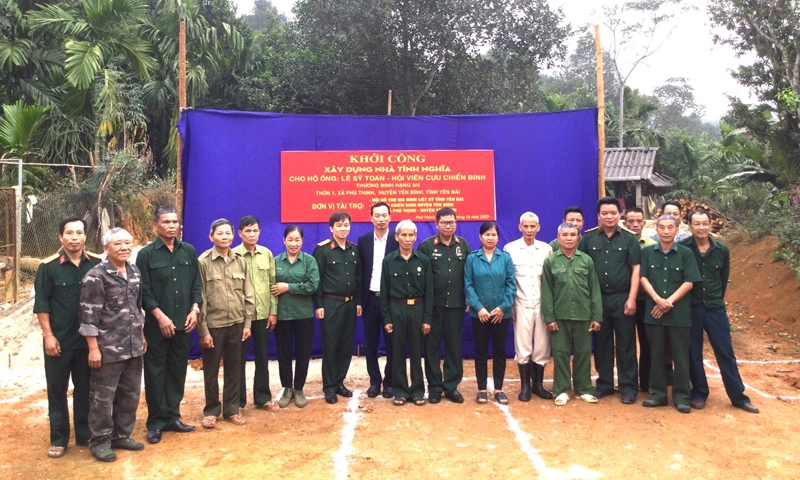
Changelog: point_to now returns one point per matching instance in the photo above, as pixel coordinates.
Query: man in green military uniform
(447, 253)
(172, 294)
(407, 303)
(570, 298)
(573, 215)
(616, 253)
(669, 272)
(338, 303)
(261, 270)
(58, 291)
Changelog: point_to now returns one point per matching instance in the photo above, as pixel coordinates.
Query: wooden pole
(389, 108)
(181, 106)
(601, 116)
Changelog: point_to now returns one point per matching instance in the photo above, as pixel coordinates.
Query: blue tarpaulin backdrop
(544, 162)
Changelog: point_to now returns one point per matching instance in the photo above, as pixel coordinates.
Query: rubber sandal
(562, 399)
(236, 419)
(501, 398)
(588, 398)
(209, 422)
(482, 398)
(419, 401)
(56, 452)
(399, 402)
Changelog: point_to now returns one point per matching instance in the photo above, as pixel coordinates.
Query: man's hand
(664, 305)
(320, 313)
(245, 334)
(272, 320)
(191, 321)
(426, 328)
(358, 310)
(51, 346)
(388, 327)
(595, 326)
(279, 288)
(657, 312)
(483, 315)
(552, 327)
(95, 359)
(630, 307)
(206, 341)
(167, 326)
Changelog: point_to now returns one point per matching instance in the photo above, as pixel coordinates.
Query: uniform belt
(409, 301)
(615, 291)
(338, 298)
(375, 294)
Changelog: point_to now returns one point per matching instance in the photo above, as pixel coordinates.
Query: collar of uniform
(438, 239)
(158, 243)
(482, 254)
(414, 253)
(285, 256)
(215, 254)
(561, 252)
(241, 250)
(64, 258)
(112, 270)
(347, 243)
(520, 244)
(674, 247)
(689, 242)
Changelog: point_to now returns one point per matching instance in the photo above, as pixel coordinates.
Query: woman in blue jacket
(490, 287)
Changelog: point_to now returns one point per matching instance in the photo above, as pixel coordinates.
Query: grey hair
(529, 215)
(163, 209)
(218, 223)
(566, 225)
(405, 224)
(667, 217)
(110, 233)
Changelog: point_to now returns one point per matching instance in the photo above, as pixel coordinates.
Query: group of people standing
(561, 298)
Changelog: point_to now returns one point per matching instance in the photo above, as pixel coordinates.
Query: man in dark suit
(373, 246)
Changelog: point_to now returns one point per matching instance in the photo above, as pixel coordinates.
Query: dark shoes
(455, 396)
(105, 455)
(683, 408)
(179, 427)
(597, 393)
(654, 403)
(748, 407)
(127, 444)
(153, 436)
(525, 382)
(343, 392)
(388, 392)
(435, 396)
(537, 375)
(331, 398)
(628, 398)
(697, 403)
(373, 391)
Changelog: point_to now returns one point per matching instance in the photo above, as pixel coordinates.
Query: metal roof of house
(633, 164)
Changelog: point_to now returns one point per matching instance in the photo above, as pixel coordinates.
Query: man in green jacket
(570, 299)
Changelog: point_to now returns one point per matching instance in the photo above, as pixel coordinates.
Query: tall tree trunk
(621, 125)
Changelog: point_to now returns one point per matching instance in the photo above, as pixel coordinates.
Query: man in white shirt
(372, 247)
(531, 338)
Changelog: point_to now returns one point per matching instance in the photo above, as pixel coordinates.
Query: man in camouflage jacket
(112, 322)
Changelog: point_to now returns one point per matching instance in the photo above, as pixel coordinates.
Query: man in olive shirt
(58, 293)
(261, 270)
(573, 215)
(407, 303)
(668, 274)
(447, 253)
(171, 296)
(570, 298)
(634, 221)
(616, 253)
(708, 313)
(338, 304)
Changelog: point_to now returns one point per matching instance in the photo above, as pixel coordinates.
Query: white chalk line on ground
(707, 364)
(351, 418)
(545, 472)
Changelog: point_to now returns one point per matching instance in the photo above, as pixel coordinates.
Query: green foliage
(18, 125)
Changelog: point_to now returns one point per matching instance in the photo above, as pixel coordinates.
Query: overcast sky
(689, 52)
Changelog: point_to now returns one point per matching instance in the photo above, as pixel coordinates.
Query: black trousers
(165, 363)
(57, 371)
(299, 333)
(644, 347)
(227, 346)
(373, 327)
(260, 337)
(481, 333)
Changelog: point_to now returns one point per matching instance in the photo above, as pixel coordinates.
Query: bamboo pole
(389, 107)
(601, 116)
(181, 106)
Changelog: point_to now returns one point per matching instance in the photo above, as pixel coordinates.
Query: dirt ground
(368, 438)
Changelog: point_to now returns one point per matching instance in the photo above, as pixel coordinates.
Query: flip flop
(399, 402)
(419, 401)
(56, 451)
(209, 422)
(236, 419)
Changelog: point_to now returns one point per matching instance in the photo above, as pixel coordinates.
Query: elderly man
(448, 254)
(407, 303)
(668, 274)
(531, 338)
(171, 297)
(708, 314)
(58, 294)
(616, 253)
(113, 324)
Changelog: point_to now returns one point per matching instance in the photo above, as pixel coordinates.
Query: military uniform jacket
(666, 272)
(170, 281)
(339, 270)
(58, 292)
(447, 264)
(405, 279)
(261, 270)
(227, 292)
(111, 310)
(613, 256)
(715, 268)
(570, 290)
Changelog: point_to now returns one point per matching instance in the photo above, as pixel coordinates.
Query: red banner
(414, 183)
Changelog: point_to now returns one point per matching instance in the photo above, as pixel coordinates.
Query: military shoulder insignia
(591, 229)
(626, 230)
(51, 258)
(324, 242)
